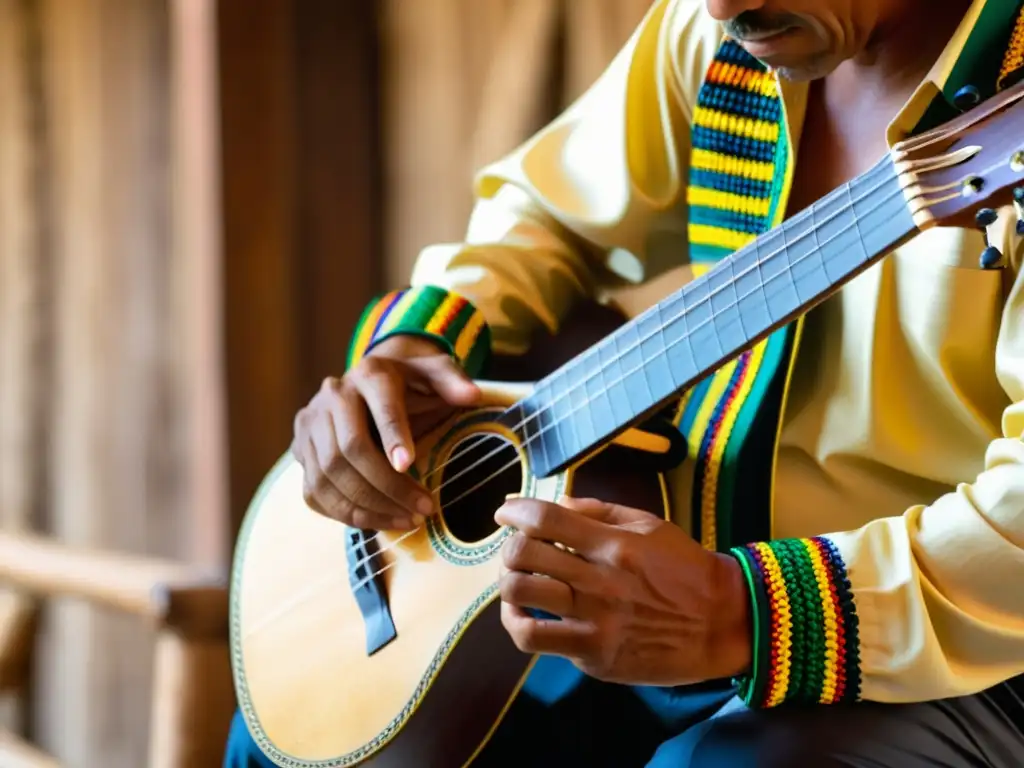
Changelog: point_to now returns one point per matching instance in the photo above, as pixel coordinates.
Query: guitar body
(335, 666)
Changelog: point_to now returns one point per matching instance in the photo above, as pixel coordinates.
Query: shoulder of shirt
(692, 37)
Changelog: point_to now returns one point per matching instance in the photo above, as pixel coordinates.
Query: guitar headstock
(957, 174)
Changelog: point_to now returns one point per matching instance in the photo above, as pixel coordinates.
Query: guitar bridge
(368, 588)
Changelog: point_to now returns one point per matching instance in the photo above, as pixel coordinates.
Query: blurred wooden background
(196, 199)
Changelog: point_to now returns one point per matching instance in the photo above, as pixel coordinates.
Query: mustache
(751, 23)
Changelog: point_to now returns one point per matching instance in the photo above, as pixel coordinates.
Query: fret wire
(817, 240)
(732, 282)
(664, 341)
(800, 217)
(640, 351)
(856, 223)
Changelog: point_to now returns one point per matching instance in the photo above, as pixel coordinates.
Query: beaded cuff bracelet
(805, 646)
(431, 312)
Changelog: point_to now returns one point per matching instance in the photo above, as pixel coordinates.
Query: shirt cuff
(449, 320)
(806, 647)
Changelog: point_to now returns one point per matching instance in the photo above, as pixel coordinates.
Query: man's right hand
(405, 384)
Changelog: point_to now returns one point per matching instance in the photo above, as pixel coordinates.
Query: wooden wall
(109, 358)
(466, 81)
(299, 86)
(196, 200)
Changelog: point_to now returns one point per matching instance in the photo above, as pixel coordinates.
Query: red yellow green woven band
(428, 311)
(805, 645)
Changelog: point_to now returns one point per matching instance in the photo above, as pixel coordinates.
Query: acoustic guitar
(354, 648)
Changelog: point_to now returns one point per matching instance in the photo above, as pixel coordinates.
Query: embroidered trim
(1013, 62)
(428, 311)
(806, 644)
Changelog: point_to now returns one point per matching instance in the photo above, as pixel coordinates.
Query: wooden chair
(192, 693)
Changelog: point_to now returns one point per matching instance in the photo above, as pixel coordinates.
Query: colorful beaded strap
(444, 317)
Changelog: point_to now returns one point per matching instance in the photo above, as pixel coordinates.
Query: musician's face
(802, 39)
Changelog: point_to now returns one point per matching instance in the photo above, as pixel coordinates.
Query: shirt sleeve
(594, 200)
(923, 606)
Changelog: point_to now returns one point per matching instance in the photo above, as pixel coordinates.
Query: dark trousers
(564, 718)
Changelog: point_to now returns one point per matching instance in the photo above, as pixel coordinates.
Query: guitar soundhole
(480, 472)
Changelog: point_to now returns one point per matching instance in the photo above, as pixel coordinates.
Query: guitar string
(577, 408)
(512, 463)
(506, 446)
(758, 263)
(690, 332)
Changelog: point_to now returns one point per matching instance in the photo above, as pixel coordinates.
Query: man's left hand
(640, 601)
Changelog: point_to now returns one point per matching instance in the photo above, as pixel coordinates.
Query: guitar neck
(712, 320)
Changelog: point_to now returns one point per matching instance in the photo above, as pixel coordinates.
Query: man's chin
(803, 71)
(800, 75)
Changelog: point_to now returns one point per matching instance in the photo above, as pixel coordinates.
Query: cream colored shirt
(902, 435)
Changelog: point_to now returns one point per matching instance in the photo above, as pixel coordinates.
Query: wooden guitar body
(422, 672)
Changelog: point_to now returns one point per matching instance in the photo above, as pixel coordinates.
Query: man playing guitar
(851, 594)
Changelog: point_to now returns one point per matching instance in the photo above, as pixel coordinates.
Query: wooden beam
(24, 261)
(15, 752)
(301, 193)
(339, 215)
(197, 289)
(167, 593)
(258, 168)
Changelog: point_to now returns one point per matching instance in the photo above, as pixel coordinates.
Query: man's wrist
(730, 642)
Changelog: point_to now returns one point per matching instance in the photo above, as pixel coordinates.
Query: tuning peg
(966, 98)
(991, 256)
(1018, 204)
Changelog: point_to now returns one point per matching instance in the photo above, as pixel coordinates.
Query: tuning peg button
(966, 98)
(985, 218)
(991, 256)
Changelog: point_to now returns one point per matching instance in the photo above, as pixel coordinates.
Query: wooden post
(24, 326)
(301, 172)
(192, 701)
(18, 753)
(197, 278)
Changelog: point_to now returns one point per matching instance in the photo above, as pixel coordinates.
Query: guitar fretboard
(710, 321)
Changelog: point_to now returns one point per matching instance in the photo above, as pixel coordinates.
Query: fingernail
(425, 505)
(417, 521)
(400, 459)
